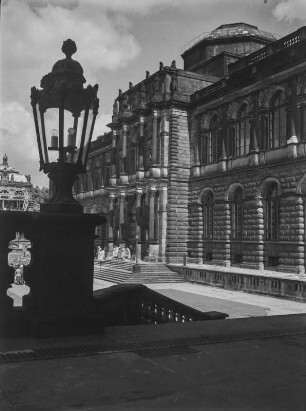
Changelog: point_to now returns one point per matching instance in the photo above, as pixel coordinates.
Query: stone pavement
(253, 363)
(240, 364)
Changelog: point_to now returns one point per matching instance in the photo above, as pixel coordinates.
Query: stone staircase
(122, 272)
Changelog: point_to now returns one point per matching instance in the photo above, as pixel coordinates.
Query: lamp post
(64, 116)
(61, 280)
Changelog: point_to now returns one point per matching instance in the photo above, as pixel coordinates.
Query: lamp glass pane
(87, 136)
(51, 126)
(71, 137)
(36, 113)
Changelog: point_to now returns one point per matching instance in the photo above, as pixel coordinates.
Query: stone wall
(287, 252)
(179, 169)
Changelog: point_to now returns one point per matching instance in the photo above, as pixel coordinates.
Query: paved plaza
(254, 360)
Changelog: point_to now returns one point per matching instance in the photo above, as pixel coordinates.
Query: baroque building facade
(208, 162)
(16, 189)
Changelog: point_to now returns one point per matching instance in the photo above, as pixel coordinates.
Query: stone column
(198, 145)
(113, 173)
(164, 143)
(140, 149)
(140, 143)
(291, 234)
(154, 138)
(163, 221)
(221, 244)
(293, 107)
(253, 155)
(123, 174)
(253, 234)
(114, 138)
(223, 157)
(138, 223)
(121, 215)
(264, 128)
(110, 236)
(154, 167)
(152, 194)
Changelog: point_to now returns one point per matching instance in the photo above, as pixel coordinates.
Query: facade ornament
(161, 65)
(173, 64)
(130, 85)
(147, 74)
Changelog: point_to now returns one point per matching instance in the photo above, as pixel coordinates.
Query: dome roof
(239, 30)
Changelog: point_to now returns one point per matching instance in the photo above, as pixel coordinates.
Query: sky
(117, 40)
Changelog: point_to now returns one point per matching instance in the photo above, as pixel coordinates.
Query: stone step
(120, 272)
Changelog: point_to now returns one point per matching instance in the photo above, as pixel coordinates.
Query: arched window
(271, 214)
(214, 143)
(208, 216)
(243, 135)
(236, 214)
(278, 117)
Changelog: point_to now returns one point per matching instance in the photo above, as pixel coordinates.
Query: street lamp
(64, 116)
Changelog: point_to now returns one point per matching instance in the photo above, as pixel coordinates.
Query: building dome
(239, 30)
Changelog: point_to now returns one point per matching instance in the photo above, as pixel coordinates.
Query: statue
(167, 83)
(28, 177)
(142, 95)
(125, 103)
(5, 160)
(115, 108)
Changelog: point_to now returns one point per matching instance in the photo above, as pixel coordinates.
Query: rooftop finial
(69, 47)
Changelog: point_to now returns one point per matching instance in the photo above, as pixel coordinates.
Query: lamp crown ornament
(68, 48)
(64, 144)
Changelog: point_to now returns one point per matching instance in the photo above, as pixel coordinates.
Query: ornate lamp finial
(68, 48)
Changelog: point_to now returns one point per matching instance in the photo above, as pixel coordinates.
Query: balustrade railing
(254, 58)
(270, 49)
(130, 304)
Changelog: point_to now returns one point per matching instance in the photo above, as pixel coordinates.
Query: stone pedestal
(60, 275)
